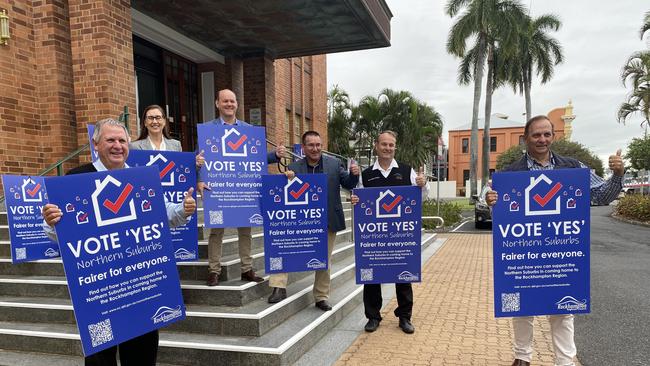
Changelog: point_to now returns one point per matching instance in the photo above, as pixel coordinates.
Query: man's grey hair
(109, 122)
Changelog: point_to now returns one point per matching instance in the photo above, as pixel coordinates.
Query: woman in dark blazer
(154, 132)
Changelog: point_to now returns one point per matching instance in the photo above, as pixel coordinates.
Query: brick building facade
(70, 63)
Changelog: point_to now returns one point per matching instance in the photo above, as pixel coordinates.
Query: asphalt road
(617, 332)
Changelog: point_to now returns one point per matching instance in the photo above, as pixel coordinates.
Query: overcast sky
(597, 38)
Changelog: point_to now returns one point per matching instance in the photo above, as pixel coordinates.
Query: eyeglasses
(156, 118)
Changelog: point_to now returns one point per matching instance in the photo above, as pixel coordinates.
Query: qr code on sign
(509, 302)
(276, 264)
(216, 217)
(366, 274)
(21, 253)
(101, 332)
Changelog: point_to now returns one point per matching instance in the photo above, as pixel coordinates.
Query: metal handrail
(442, 221)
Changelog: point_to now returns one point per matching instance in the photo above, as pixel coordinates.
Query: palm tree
(485, 21)
(637, 71)
(419, 136)
(537, 51)
(368, 125)
(339, 121)
(646, 25)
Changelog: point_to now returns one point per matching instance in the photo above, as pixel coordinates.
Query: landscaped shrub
(450, 212)
(635, 206)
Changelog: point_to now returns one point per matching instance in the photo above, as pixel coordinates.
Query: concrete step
(252, 319)
(194, 270)
(280, 345)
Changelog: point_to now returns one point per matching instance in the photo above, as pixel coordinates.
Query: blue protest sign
(295, 222)
(297, 149)
(117, 254)
(93, 152)
(541, 242)
(177, 175)
(235, 159)
(387, 234)
(25, 197)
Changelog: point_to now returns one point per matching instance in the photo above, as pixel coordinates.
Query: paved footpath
(453, 315)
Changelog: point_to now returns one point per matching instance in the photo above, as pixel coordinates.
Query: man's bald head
(227, 105)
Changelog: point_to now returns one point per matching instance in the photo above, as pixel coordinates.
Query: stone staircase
(229, 324)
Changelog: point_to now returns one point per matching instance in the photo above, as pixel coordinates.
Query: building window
(465, 176)
(522, 140)
(287, 126)
(493, 143)
(465, 146)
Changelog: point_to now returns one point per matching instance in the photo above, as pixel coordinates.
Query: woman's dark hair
(144, 133)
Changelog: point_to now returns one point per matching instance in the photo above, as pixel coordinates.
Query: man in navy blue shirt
(539, 136)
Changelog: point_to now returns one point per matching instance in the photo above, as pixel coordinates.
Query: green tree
(638, 153)
(563, 147)
(419, 136)
(537, 52)
(637, 72)
(646, 25)
(368, 125)
(485, 22)
(339, 121)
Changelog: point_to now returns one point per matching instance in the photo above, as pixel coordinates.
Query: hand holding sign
(200, 159)
(420, 180)
(616, 163)
(290, 174)
(354, 199)
(189, 204)
(52, 214)
(491, 198)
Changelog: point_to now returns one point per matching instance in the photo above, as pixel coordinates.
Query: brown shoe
(213, 279)
(251, 276)
(519, 362)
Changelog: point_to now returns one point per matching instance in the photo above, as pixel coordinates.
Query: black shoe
(251, 276)
(406, 325)
(324, 305)
(213, 279)
(518, 362)
(277, 295)
(372, 325)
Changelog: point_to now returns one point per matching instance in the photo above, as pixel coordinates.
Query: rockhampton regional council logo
(165, 314)
(570, 303)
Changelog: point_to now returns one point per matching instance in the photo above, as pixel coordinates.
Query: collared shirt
(602, 191)
(221, 121)
(163, 145)
(386, 172)
(175, 211)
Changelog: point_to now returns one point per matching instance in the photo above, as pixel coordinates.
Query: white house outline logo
(100, 185)
(26, 196)
(533, 183)
(295, 195)
(398, 213)
(153, 159)
(224, 143)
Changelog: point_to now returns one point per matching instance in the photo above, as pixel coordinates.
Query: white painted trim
(207, 95)
(34, 333)
(169, 39)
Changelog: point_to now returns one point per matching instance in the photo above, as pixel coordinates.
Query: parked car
(482, 213)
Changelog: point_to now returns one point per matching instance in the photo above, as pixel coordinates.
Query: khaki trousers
(215, 242)
(322, 278)
(561, 333)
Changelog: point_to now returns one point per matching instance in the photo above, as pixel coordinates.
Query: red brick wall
(102, 61)
(319, 96)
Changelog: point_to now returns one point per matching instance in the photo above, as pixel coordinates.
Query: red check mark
(548, 196)
(300, 191)
(166, 170)
(32, 192)
(83, 217)
(237, 144)
(147, 204)
(115, 206)
(392, 205)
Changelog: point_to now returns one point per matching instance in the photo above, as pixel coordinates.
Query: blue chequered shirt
(602, 191)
